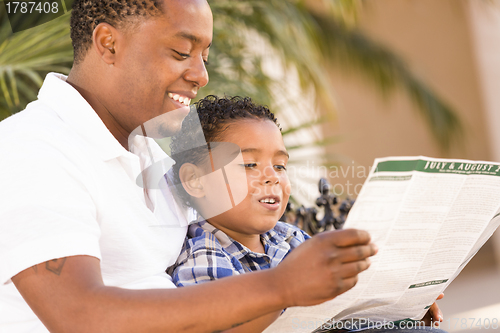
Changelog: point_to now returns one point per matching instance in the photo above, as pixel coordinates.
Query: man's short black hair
(87, 14)
(215, 116)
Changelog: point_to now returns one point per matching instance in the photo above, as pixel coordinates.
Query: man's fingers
(435, 313)
(330, 262)
(348, 283)
(352, 269)
(347, 237)
(355, 253)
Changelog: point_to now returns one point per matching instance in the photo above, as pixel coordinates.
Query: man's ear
(190, 176)
(104, 38)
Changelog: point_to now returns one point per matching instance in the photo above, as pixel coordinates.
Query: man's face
(160, 65)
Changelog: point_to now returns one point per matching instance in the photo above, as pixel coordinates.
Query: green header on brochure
(444, 166)
(393, 178)
(428, 283)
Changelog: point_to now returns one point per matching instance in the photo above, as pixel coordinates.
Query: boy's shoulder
(202, 235)
(199, 242)
(288, 231)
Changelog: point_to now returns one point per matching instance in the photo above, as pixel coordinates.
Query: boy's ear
(190, 176)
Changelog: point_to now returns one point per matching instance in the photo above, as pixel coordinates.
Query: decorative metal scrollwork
(333, 218)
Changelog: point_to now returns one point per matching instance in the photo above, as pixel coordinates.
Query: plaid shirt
(210, 254)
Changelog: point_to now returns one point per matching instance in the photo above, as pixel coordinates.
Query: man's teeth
(268, 200)
(182, 99)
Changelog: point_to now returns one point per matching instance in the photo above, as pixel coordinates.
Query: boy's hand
(324, 267)
(434, 315)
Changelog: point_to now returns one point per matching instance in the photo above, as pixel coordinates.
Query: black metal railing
(334, 212)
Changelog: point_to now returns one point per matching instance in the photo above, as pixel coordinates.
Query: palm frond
(27, 56)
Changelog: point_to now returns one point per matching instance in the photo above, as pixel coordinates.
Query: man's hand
(325, 266)
(434, 314)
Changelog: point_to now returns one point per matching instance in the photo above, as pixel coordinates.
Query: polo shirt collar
(273, 242)
(77, 113)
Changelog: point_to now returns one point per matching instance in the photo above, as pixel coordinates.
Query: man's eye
(183, 55)
(280, 167)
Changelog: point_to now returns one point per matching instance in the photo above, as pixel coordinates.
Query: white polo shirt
(67, 187)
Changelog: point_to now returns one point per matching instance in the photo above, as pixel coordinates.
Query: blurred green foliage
(301, 37)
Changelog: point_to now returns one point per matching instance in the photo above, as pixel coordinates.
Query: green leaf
(27, 56)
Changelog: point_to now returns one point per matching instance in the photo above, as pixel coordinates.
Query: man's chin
(168, 130)
(163, 126)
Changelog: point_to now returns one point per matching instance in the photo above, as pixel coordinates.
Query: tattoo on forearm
(55, 265)
(235, 325)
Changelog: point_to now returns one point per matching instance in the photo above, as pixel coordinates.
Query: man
(81, 249)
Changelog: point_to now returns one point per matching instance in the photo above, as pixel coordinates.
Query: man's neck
(78, 81)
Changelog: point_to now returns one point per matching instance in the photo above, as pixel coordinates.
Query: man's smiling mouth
(179, 98)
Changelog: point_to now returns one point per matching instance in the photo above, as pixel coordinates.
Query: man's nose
(197, 73)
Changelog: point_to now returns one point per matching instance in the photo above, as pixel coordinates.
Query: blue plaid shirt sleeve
(202, 259)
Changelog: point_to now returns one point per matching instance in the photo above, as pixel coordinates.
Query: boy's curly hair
(87, 14)
(215, 116)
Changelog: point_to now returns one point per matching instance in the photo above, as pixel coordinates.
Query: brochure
(428, 217)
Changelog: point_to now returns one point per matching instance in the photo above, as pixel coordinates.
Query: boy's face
(265, 159)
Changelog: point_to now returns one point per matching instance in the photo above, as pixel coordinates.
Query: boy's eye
(250, 165)
(280, 167)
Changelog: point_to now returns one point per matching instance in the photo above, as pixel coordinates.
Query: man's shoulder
(36, 143)
(38, 123)
(34, 113)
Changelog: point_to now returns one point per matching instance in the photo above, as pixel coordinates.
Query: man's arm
(68, 294)
(257, 325)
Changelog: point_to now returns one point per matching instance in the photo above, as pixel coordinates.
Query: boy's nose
(271, 182)
(271, 176)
